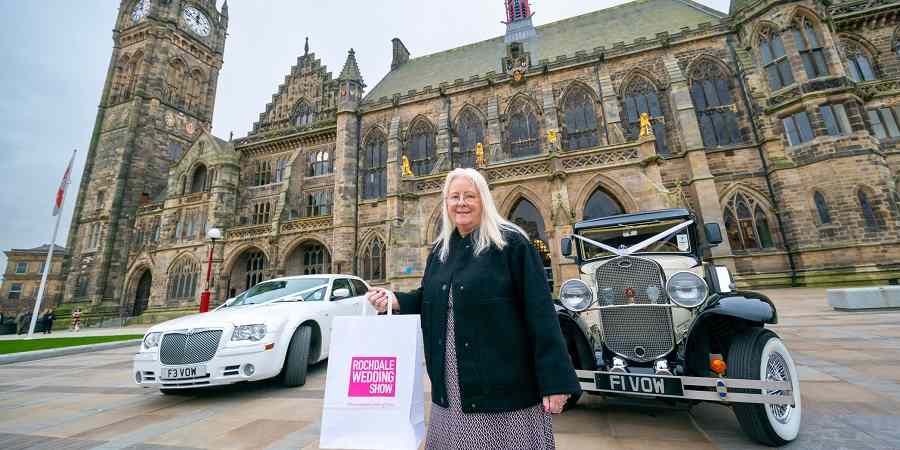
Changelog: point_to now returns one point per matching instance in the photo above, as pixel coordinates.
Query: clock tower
(158, 98)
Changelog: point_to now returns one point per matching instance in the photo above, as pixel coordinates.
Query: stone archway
(142, 293)
(309, 258)
(529, 218)
(601, 204)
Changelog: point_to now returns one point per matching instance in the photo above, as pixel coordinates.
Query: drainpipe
(356, 207)
(756, 137)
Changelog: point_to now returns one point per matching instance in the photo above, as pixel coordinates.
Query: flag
(61, 192)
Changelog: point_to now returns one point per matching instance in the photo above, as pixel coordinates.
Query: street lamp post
(212, 234)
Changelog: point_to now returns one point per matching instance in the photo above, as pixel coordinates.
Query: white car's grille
(637, 323)
(189, 348)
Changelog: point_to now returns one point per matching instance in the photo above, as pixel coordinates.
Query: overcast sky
(56, 53)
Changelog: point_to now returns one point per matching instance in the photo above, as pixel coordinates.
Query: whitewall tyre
(759, 354)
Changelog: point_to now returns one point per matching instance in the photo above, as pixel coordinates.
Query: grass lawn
(22, 345)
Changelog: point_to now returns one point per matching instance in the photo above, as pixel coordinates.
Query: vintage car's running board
(689, 388)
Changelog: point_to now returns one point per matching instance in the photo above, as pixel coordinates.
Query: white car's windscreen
(276, 289)
(622, 237)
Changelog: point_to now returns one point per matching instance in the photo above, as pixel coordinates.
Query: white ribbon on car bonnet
(640, 245)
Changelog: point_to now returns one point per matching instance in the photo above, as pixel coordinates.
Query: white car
(276, 328)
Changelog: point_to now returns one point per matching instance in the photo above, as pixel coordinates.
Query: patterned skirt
(452, 429)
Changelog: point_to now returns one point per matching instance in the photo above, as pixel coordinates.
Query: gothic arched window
(318, 163)
(316, 259)
(601, 204)
(859, 64)
(303, 114)
(194, 90)
(198, 180)
(640, 96)
(527, 217)
(469, 132)
(775, 62)
(868, 211)
(747, 224)
(523, 130)
(182, 278)
(821, 208)
(809, 45)
(174, 82)
(420, 148)
(120, 81)
(580, 120)
(373, 260)
(375, 168)
(255, 268)
(714, 104)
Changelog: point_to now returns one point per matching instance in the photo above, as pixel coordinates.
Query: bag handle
(390, 309)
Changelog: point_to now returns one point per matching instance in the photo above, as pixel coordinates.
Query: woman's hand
(554, 403)
(380, 298)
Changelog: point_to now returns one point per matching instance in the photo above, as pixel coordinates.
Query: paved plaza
(849, 367)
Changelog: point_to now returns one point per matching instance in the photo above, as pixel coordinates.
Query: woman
(494, 350)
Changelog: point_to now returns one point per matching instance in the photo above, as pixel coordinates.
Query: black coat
(509, 346)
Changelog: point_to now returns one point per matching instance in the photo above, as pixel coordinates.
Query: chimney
(401, 54)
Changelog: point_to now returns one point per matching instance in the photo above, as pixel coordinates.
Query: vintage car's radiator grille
(631, 295)
(182, 348)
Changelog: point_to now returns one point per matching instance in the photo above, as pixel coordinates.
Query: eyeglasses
(467, 198)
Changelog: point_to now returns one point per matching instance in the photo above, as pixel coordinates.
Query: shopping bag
(374, 391)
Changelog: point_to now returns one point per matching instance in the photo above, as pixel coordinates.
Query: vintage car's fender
(739, 308)
(574, 333)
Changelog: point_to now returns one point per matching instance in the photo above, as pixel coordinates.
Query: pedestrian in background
(48, 320)
(493, 346)
(20, 322)
(76, 319)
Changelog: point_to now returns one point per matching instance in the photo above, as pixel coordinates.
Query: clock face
(196, 21)
(141, 9)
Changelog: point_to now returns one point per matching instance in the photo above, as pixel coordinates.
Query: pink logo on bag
(372, 376)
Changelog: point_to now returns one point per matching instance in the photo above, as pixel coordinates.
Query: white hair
(489, 232)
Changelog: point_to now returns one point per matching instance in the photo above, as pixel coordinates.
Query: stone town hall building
(778, 120)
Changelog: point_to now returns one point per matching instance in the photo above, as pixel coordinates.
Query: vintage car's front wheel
(759, 354)
(297, 359)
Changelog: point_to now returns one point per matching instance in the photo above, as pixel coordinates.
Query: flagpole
(60, 203)
(40, 294)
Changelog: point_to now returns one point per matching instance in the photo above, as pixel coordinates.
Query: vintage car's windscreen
(271, 290)
(622, 237)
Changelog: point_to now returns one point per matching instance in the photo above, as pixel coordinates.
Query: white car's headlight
(687, 289)
(249, 332)
(576, 295)
(151, 340)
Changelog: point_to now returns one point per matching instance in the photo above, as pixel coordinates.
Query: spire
(517, 10)
(351, 69)
(306, 47)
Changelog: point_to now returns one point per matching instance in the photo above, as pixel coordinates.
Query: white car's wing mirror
(340, 293)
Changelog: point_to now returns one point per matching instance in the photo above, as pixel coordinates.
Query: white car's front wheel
(759, 354)
(297, 360)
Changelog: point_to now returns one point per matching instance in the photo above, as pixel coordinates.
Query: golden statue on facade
(646, 127)
(407, 169)
(479, 155)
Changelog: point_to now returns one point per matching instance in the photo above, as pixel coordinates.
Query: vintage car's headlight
(249, 332)
(151, 340)
(687, 289)
(576, 295)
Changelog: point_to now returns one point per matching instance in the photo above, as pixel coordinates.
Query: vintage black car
(648, 317)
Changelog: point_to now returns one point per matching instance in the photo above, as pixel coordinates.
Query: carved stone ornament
(646, 127)
(516, 68)
(407, 169)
